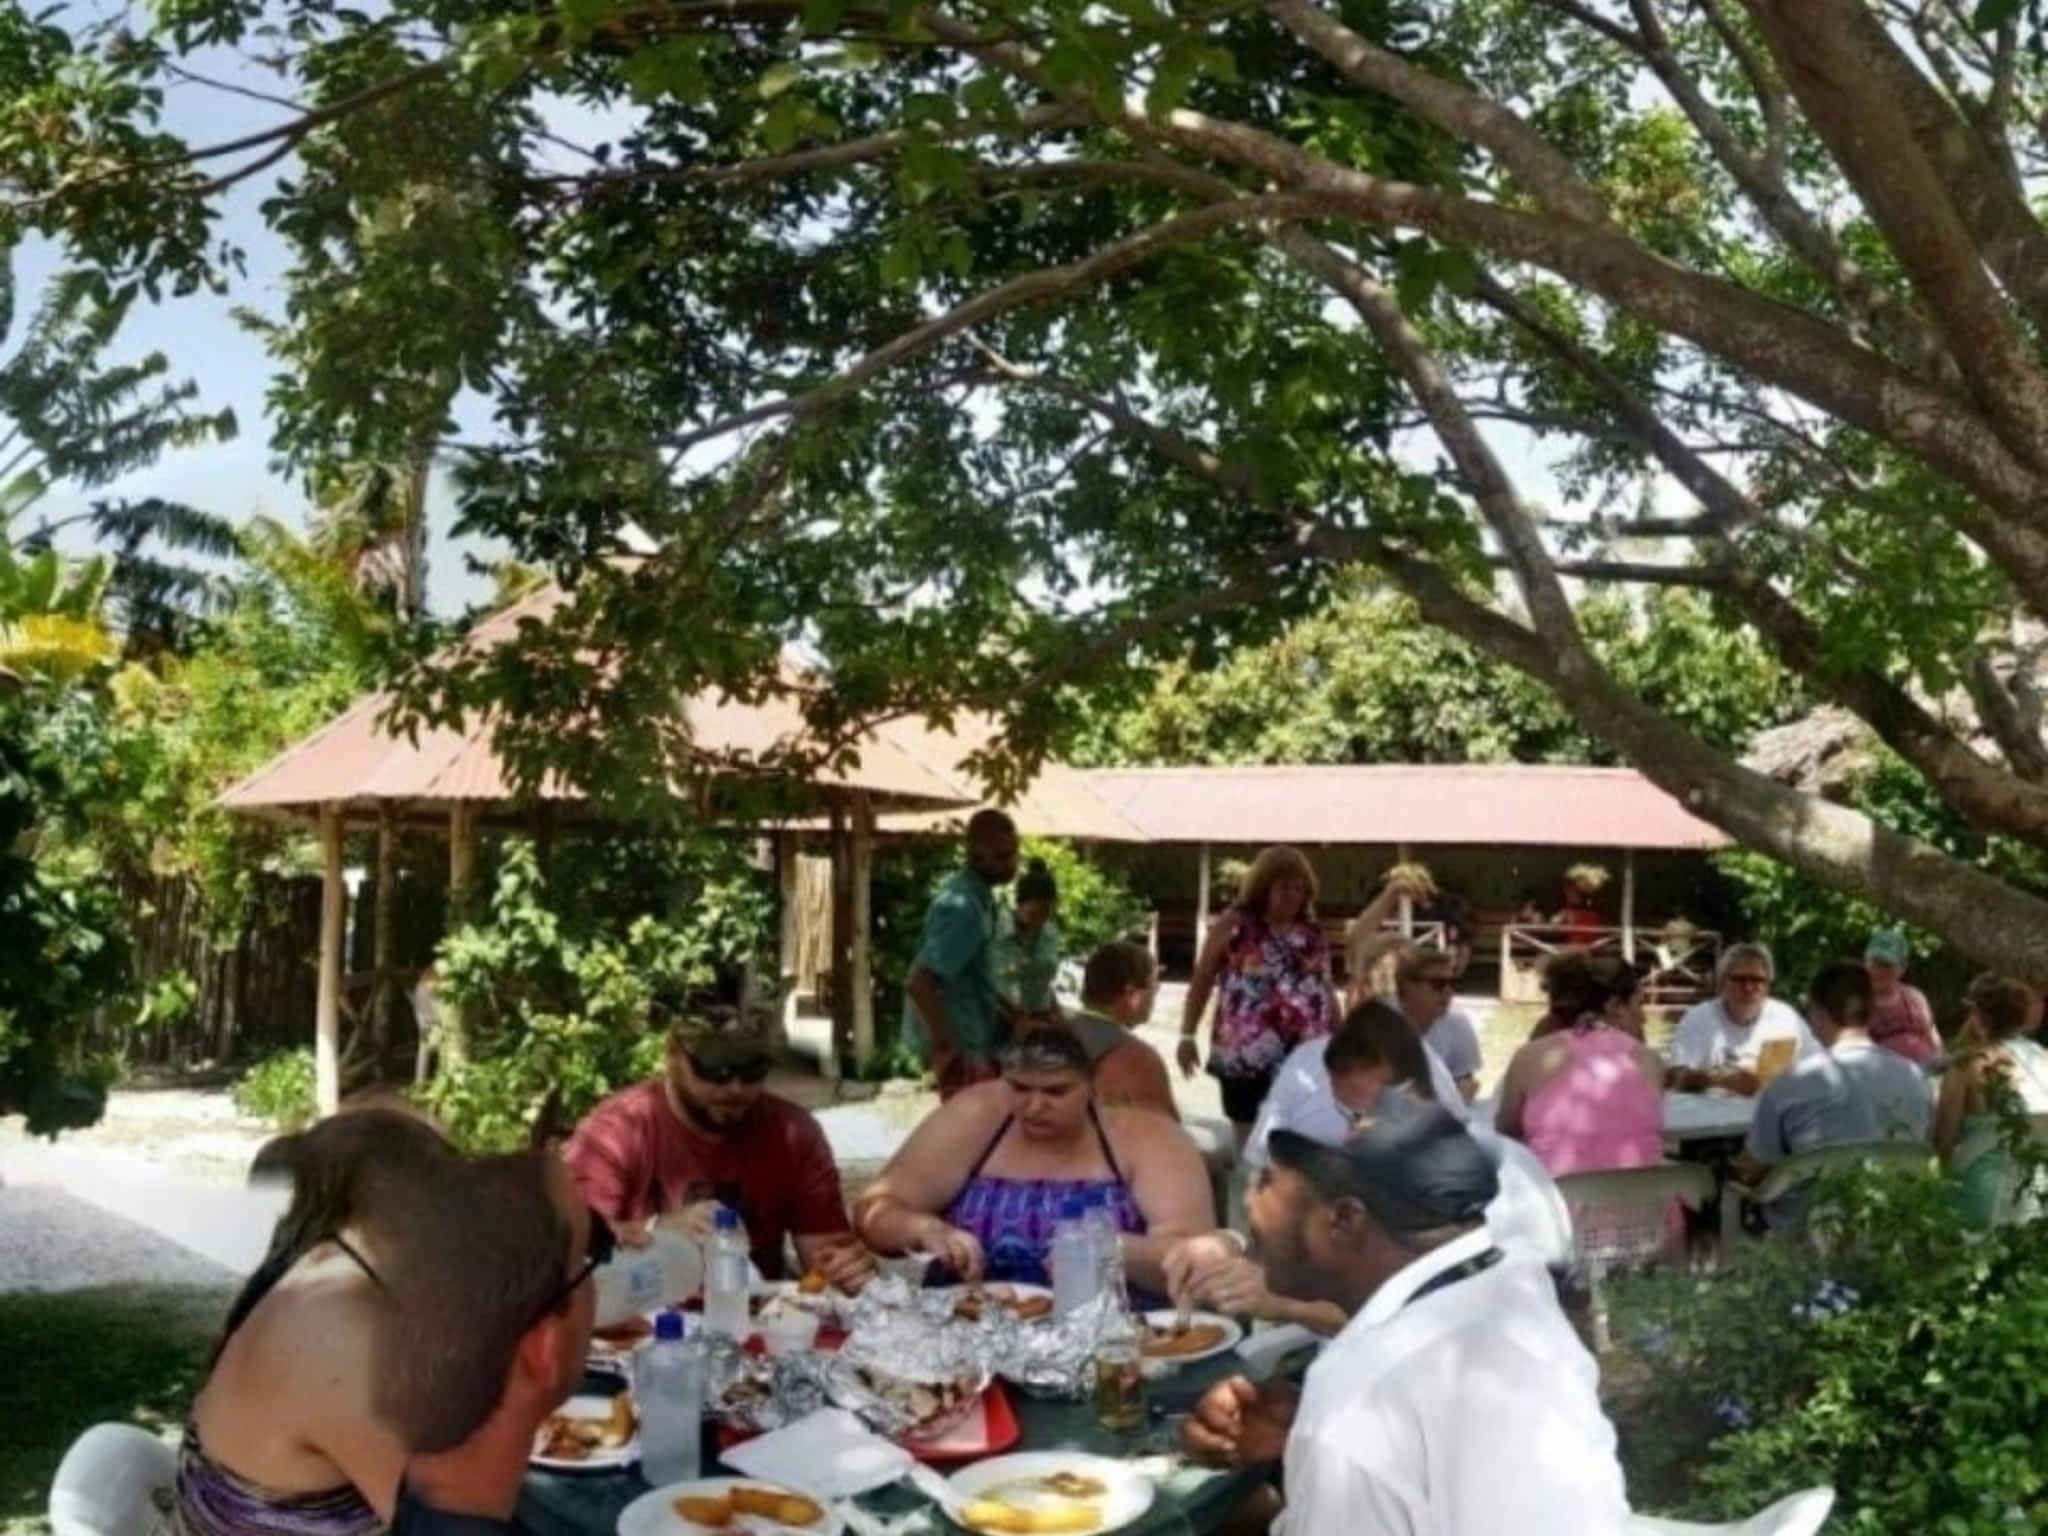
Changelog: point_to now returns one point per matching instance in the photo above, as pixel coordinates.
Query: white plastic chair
(116, 1480)
(1804, 1167)
(1620, 1220)
(1801, 1515)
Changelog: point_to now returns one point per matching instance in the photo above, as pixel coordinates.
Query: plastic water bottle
(667, 1272)
(1076, 1263)
(726, 1276)
(1102, 1233)
(669, 1381)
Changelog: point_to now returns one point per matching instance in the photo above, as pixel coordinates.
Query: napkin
(829, 1454)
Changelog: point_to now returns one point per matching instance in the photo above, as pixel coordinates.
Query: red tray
(989, 1430)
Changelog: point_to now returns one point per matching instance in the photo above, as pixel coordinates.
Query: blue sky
(203, 341)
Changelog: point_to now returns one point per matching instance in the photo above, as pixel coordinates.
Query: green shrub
(1095, 905)
(279, 1089)
(569, 997)
(1894, 1356)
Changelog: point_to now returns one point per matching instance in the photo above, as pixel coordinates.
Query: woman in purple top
(982, 1181)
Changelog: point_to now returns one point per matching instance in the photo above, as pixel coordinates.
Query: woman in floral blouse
(1271, 964)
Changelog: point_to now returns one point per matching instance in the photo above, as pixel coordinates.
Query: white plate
(1233, 1334)
(1128, 1493)
(653, 1514)
(591, 1405)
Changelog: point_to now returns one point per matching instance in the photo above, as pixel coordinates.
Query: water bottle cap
(668, 1326)
(727, 1219)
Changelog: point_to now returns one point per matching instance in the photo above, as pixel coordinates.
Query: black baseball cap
(1414, 1166)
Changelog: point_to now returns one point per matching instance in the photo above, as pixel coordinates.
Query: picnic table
(1688, 1117)
(1190, 1501)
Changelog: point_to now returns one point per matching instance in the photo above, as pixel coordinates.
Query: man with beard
(705, 1133)
(1457, 1401)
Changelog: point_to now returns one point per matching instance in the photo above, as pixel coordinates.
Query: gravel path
(54, 1241)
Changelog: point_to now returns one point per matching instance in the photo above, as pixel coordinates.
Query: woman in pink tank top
(1590, 1098)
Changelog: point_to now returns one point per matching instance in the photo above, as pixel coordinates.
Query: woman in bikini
(982, 1181)
(282, 1439)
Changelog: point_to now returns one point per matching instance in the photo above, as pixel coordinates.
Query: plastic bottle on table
(726, 1276)
(669, 1383)
(1076, 1263)
(667, 1272)
(1101, 1228)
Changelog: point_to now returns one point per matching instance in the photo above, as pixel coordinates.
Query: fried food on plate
(1027, 1520)
(1074, 1485)
(1170, 1343)
(714, 1513)
(774, 1504)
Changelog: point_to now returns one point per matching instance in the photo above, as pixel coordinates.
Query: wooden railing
(1679, 962)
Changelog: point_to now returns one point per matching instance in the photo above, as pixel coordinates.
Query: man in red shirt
(705, 1132)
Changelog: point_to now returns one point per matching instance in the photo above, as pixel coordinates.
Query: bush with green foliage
(1095, 904)
(279, 1089)
(565, 989)
(1893, 1355)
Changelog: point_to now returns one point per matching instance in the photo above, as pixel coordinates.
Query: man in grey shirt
(1853, 1090)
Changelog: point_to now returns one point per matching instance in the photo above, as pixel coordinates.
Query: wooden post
(842, 946)
(1628, 905)
(1407, 901)
(454, 1030)
(327, 1010)
(384, 932)
(1202, 898)
(787, 937)
(860, 975)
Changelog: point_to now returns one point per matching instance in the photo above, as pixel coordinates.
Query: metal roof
(1423, 805)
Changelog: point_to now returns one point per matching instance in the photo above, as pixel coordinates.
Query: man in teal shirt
(951, 1010)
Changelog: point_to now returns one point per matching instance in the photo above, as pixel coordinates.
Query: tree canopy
(997, 350)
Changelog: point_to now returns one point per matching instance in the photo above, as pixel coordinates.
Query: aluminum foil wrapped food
(1054, 1357)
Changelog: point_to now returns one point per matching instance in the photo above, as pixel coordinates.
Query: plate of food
(1164, 1335)
(594, 1431)
(1022, 1300)
(620, 1340)
(1049, 1491)
(733, 1504)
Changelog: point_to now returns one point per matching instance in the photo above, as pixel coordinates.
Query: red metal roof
(1424, 805)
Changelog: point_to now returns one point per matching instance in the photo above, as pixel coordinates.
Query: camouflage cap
(724, 1037)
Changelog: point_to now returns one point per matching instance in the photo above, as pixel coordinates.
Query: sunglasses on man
(598, 1249)
(723, 1074)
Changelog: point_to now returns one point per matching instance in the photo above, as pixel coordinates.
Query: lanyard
(1478, 1264)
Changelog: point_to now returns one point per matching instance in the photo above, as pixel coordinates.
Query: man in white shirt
(1457, 1401)
(1853, 1090)
(1740, 1036)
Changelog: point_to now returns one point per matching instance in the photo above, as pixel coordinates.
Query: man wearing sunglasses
(490, 1319)
(1727, 1042)
(706, 1132)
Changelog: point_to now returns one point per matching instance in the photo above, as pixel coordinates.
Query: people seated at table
(1117, 988)
(283, 1435)
(1425, 987)
(1853, 1090)
(982, 1181)
(492, 1309)
(953, 1012)
(1027, 947)
(1329, 1086)
(1900, 1019)
(707, 1133)
(1737, 1039)
(2004, 1067)
(1569, 993)
(1458, 1399)
(1590, 1097)
(1266, 962)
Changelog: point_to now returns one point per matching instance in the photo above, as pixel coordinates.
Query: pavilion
(1487, 832)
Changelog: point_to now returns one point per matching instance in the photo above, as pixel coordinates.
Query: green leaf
(1415, 275)
(781, 124)
(1994, 13)
(778, 78)
(822, 16)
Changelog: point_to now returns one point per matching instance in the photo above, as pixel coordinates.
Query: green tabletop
(1190, 1501)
